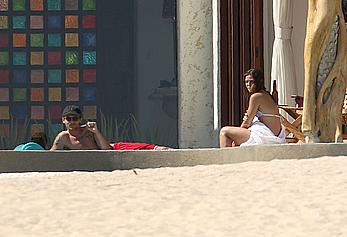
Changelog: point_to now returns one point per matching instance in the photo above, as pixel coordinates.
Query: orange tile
(72, 76)
(71, 39)
(71, 22)
(19, 40)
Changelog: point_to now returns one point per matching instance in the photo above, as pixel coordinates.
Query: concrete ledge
(43, 161)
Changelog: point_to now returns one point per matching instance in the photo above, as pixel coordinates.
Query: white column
(195, 74)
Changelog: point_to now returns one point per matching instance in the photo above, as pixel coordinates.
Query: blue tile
(89, 94)
(19, 111)
(19, 76)
(89, 40)
(54, 22)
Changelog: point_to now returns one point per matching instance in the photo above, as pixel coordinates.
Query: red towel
(132, 146)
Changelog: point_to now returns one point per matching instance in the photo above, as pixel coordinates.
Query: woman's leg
(229, 135)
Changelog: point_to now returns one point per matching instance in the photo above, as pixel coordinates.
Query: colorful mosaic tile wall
(47, 60)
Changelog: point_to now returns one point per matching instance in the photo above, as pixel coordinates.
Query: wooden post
(325, 58)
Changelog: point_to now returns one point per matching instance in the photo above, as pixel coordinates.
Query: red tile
(4, 76)
(3, 40)
(37, 94)
(55, 112)
(54, 58)
(89, 22)
(89, 75)
(37, 112)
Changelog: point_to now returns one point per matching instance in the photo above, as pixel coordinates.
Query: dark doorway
(241, 49)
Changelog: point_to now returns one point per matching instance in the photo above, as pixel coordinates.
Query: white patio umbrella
(283, 68)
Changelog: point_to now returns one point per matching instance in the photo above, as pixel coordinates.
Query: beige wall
(298, 39)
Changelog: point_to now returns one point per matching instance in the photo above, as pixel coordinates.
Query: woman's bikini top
(260, 114)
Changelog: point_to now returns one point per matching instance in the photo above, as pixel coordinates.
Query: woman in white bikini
(261, 123)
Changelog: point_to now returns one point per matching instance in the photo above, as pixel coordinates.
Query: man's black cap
(72, 110)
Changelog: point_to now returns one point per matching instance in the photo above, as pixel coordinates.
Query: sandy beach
(276, 198)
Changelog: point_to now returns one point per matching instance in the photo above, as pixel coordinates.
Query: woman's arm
(251, 111)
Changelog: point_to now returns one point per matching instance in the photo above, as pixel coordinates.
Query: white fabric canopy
(283, 68)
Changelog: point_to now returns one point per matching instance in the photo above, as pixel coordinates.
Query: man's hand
(91, 126)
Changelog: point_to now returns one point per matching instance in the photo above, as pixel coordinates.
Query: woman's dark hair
(40, 138)
(258, 77)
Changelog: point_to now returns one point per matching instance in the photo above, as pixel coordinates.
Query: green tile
(19, 94)
(54, 5)
(3, 58)
(54, 40)
(18, 22)
(54, 76)
(71, 57)
(89, 5)
(18, 5)
(36, 40)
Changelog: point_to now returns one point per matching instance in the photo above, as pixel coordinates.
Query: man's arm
(58, 143)
(102, 142)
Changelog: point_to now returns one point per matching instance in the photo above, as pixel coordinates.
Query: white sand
(277, 198)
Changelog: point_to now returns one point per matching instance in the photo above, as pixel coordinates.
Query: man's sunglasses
(72, 118)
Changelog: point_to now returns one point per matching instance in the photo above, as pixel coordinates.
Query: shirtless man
(77, 136)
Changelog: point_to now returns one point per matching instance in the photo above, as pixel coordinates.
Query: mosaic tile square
(55, 112)
(20, 111)
(71, 57)
(71, 22)
(89, 40)
(37, 112)
(36, 22)
(54, 76)
(37, 128)
(54, 58)
(72, 94)
(19, 22)
(37, 76)
(37, 58)
(71, 4)
(3, 58)
(89, 94)
(18, 5)
(3, 40)
(4, 112)
(71, 40)
(88, 5)
(54, 5)
(89, 22)
(71, 76)
(4, 130)
(89, 57)
(19, 76)
(3, 22)
(4, 76)
(37, 94)
(19, 94)
(89, 75)
(54, 94)
(19, 58)
(3, 5)
(54, 22)
(89, 112)
(19, 40)
(36, 5)
(4, 94)
(54, 40)
(36, 40)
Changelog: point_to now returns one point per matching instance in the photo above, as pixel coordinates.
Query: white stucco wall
(195, 74)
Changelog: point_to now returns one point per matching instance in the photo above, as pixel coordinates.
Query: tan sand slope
(277, 198)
